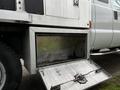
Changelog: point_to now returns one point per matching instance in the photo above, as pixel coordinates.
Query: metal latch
(76, 3)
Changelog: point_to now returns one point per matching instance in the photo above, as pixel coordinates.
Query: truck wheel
(10, 69)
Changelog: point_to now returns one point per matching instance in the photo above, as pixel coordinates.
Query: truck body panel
(105, 31)
(59, 34)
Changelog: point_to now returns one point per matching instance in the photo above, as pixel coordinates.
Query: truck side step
(105, 53)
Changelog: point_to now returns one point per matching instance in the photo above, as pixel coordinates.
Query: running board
(75, 75)
(105, 53)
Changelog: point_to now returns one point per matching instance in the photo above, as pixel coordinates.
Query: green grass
(112, 84)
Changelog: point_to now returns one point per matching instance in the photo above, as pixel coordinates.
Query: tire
(10, 69)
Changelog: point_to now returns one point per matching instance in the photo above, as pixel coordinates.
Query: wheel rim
(2, 76)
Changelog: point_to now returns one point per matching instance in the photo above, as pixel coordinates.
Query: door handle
(115, 15)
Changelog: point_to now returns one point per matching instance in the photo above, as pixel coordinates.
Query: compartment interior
(57, 48)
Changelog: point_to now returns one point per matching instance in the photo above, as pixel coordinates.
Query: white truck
(55, 39)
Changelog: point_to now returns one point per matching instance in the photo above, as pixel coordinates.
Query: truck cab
(106, 19)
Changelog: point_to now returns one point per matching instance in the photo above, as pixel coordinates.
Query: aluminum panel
(61, 77)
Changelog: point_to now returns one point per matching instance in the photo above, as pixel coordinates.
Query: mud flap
(76, 75)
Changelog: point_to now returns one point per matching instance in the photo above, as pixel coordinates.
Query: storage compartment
(51, 46)
(65, 13)
(8, 4)
(57, 48)
(72, 9)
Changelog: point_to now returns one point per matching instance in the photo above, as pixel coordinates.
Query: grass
(112, 84)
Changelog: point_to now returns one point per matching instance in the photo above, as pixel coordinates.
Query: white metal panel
(116, 23)
(55, 21)
(73, 16)
(103, 38)
(62, 8)
(12, 16)
(85, 12)
(54, 7)
(103, 27)
(92, 38)
(92, 31)
(55, 75)
(116, 39)
(69, 10)
(116, 32)
(116, 35)
(62, 14)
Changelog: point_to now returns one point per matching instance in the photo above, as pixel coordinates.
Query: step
(105, 53)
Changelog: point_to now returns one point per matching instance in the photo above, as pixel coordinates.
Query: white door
(116, 23)
(103, 24)
(62, 8)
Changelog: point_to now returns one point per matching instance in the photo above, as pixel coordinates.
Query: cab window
(104, 1)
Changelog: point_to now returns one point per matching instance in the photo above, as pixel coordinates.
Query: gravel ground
(110, 63)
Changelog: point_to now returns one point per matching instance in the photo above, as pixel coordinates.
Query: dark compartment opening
(58, 48)
(8, 4)
(34, 6)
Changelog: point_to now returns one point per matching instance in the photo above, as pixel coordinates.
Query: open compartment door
(76, 75)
